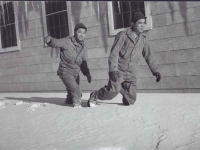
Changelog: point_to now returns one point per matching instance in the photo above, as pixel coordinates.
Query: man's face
(80, 34)
(139, 26)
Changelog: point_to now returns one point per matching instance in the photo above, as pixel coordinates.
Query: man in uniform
(73, 59)
(129, 46)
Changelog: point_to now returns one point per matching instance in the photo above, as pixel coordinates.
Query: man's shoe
(68, 101)
(92, 102)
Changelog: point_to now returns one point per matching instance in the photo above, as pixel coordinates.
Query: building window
(9, 38)
(57, 18)
(120, 14)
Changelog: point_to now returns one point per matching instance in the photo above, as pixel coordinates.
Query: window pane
(8, 32)
(126, 18)
(3, 37)
(13, 35)
(63, 18)
(56, 19)
(11, 13)
(51, 32)
(64, 5)
(6, 14)
(8, 36)
(141, 5)
(125, 7)
(8, 43)
(57, 32)
(134, 5)
(50, 21)
(54, 6)
(65, 31)
(118, 21)
(1, 21)
(60, 5)
(47, 7)
(116, 7)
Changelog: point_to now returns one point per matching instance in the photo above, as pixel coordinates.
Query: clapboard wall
(174, 40)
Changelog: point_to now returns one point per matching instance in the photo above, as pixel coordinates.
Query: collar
(76, 43)
(131, 35)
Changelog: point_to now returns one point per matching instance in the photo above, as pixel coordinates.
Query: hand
(89, 78)
(47, 39)
(114, 75)
(158, 76)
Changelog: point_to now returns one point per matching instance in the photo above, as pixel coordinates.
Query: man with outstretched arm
(129, 46)
(72, 60)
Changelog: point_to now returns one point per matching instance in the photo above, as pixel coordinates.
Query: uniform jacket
(72, 54)
(127, 51)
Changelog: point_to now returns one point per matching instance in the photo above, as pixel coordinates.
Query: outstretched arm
(56, 43)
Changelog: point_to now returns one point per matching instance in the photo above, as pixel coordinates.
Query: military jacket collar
(76, 43)
(131, 36)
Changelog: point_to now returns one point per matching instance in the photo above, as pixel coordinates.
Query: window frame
(113, 31)
(13, 48)
(69, 15)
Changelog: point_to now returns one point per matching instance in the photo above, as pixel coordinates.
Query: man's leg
(108, 92)
(69, 95)
(128, 92)
(73, 88)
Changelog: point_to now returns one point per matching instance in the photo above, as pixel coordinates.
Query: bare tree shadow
(76, 10)
(183, 10)
(99, 8)
(22, 18)
(100, 15)
(52, 100)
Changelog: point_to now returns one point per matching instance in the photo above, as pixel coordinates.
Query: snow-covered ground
(41, 121)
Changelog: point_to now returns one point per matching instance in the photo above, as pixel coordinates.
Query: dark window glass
(141, 5)
(118, 21)
(134, 6)
(7, 24)
(54, 6)
(116, 7)
(123, 11)
(60, 6)
(57, 20)
(65, 31)
(126, 19)
(125, 6)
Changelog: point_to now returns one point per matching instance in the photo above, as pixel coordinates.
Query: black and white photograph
(99, 75)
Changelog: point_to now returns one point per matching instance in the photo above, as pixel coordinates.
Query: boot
(77, 103)
(68, 100)
(92, 102)
(125, 102)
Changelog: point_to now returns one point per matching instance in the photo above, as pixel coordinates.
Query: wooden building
(28, 65)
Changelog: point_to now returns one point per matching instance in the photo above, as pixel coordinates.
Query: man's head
(79, 32)
(138, 22)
